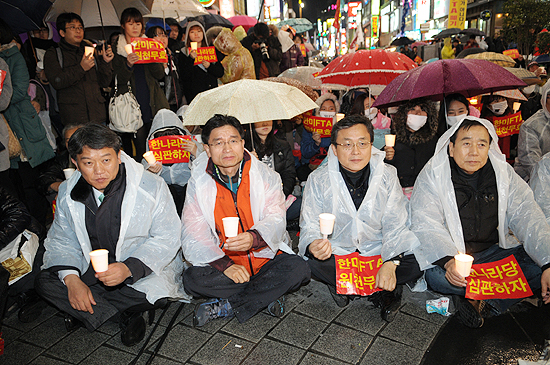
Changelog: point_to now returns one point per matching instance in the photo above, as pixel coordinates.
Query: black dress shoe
(390, 304)
(72, 323)
(133, 327)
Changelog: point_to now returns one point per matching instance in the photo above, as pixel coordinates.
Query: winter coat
(238, 63)
(378, 227)
(78, 92)
(275, 55)
(149, 231)
(534, 138)
(21, 115)
(291, 58)
(435, 217)
(413, 149)
(201, 244)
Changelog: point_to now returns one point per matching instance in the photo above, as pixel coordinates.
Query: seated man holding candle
(254, 269)
(371, 215)
(111, 203)
(466, 200)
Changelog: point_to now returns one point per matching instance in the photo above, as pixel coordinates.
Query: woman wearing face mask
(496, 106)
(455, 108)
(415, 126)
(363, 106)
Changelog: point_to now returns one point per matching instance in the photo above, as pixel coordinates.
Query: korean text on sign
(320, 125)
(169, 149)
(206, 54)
(356, 274)
(497, 280)
(508, 125)
(149, 50)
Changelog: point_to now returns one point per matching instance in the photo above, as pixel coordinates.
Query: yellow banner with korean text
(149, 50)
(356, 274)
(320, 125)
(170, 149)
(457, 14)
(206, 54)
(508, 125)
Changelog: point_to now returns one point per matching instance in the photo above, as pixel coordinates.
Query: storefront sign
(457, 14)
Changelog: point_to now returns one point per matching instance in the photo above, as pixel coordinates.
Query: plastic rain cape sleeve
(434, 213)
(149, 231)
(199, 239)
(380, 226)
(540, 183)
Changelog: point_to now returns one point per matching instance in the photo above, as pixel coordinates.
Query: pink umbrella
(437, 79)
(246, 21)
(366, 68)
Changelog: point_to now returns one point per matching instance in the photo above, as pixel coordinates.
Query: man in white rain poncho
(371, 215)
(254, 269)
(540, 183)
(466, 199)
(111, 203)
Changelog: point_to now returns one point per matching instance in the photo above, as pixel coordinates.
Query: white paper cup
(129, 49)
(390, 140)
(231, 226)
(326, 221)
(68, 173)
(517, 105)
(100, 260)
(339, 117)
(194, 45)
(463, 264)
(149, 157)
(89, 51)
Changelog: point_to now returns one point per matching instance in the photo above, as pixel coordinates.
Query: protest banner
(501, 279)
(508, 125)
(356, 274)
(206, 54)
(149, 50)
(169, 149)
(514, 53)
(303, 49)
(457, 14)
(320, 125)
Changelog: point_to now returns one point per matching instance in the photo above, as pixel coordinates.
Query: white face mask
(371, 113)
(452, 120)
(499, 108)
(326, 114)
(529, 89)
(415, 122)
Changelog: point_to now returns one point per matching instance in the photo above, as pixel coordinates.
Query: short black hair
(94, 136)
(217, 121)
(132, 14)
(359, 103)
(6, 34)
(466, 125)
(261, 30)
(65, 18)
(152, 32)
(349, 122)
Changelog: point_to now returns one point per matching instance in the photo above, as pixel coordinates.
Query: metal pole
(101, 20)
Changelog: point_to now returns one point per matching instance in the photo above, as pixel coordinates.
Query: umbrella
(176, 9)
(210, 20)
(527, 76)
(470, 51)
(473, 31)
(366, 68)
(418, 43)
(24, 16)
(246, 21)
(542, 58)
(510, 94)
(448, 32)
(301, 25)
(157, 22)
(496, 58)
(308, 90)
(305, 74)
(249, 101)
(444, 77)
(401, 41)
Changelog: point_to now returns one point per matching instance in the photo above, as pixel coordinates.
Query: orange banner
(320, 125)
(508, 125)
(169, 149)
(206, 54)
(514, 53)
(501, 279)
(355, 274)
(303, 49)
(149, 50)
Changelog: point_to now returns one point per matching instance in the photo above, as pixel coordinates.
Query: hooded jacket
(534, 138)
(238, 63)
(435, 217)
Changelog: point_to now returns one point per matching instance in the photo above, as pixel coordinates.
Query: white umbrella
(304, 74)
(177, 9)
(249, 101)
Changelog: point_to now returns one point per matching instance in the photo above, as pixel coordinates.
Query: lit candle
(89, 51)
(463, 264)
(339, 117)
(128, 48)
(100, 260)
(326, 222)
(194, 46)
(517, 105)
(150, 157)
(390, 140)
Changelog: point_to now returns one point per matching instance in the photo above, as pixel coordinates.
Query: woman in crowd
(455, 108)
(496, 106)
(363, 106)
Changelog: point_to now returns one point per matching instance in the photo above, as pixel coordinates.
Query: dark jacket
(291, 58)
(14, 217)
(78, 92)
(53, 172)
(531, 106)
(194, 79)
(275, 55)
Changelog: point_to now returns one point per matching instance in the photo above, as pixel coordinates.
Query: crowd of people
(443, 188)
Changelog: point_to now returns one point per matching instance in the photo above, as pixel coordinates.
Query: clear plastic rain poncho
(238, 62)
(149, 231)
(540, 183)
(178, 173)
(436, 221)
(380, 226)
(200, 241)
(534, 138)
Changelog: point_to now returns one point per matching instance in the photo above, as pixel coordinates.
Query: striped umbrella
(497, 58)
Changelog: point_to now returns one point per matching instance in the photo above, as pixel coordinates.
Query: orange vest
(227, 207)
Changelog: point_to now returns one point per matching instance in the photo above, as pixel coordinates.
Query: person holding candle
(467, 199)
(371, 215)
(253, 270)
(111, 203)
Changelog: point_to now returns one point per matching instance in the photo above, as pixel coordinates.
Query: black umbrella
(470, 51)
(210, 20)
(401, 41)
(448, 32)
(473, 31)
(24, 16)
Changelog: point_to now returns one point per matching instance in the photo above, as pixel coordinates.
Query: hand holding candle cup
(326, 223)
(128, 48)
(194, 46)
(100, 260)
(390, 140)
(149, 157)
(231, 226)
(89, 51)
(463, 264)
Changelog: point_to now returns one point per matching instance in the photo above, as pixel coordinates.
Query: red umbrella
(366, 68)
(437, 79)
(246, 21)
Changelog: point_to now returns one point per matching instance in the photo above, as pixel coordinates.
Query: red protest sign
(206, 54)
(356, 274)
(508, 125)
(501, 279)
(149, 50)
(169, 149)
(303, 50)
(514, 53)
(2, 78)
(320, 125)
